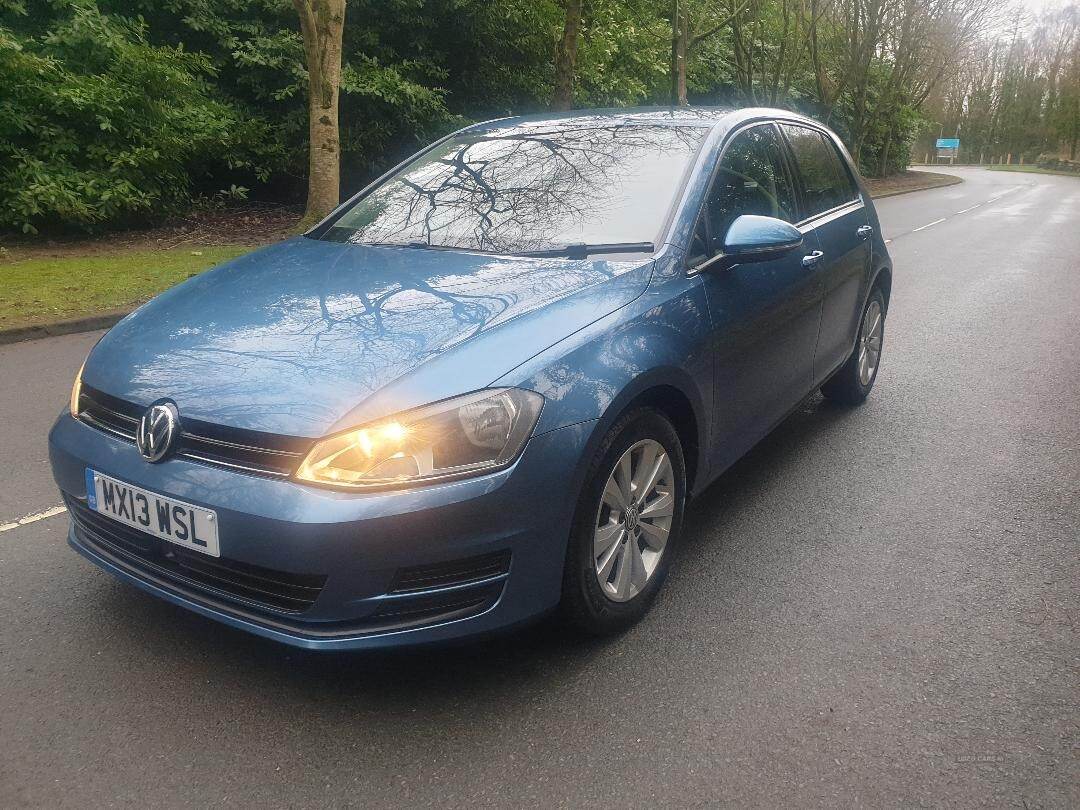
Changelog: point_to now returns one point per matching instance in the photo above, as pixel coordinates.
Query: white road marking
(34, 518)
(993, 199)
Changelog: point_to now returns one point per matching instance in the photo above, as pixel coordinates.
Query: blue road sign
(948, 143)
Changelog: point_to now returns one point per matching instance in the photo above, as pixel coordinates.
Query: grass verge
(903, 182)
(43, 290)
(1030, 170)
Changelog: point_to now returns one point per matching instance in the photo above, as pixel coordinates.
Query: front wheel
(626, 525)
(851, 384)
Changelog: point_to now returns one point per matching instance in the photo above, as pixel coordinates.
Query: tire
(600, 602)
(851, 383)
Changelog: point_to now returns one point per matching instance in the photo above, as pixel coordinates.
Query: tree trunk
(883, 165)
(566, 58)
(1075, 128)
(321, 24)
(679, 36)
(683, 44)
(683, 55)
(815, 58)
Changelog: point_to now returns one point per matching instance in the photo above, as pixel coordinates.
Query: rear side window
(826, 182)
(751, 179)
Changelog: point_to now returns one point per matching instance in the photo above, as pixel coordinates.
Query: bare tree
(1011, 83)
(692, 23)
(321, 24)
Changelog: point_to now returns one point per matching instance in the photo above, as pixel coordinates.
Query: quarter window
(751, 179)
(826, 182)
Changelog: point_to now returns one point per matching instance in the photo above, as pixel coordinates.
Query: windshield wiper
(429, 246)
(575, 250)
(582, 250)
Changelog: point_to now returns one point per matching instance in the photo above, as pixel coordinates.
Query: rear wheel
(851, 384)
(626, 526)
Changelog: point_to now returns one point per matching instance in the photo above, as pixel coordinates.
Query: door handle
(864, 232)
(812, 259)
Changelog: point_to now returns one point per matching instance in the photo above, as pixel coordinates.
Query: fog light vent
(451, 574)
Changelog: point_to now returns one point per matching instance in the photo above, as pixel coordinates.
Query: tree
(566, 58)
(321, 25)
(692, 25)
(98, 126)
(1018, 90)
(255, 100)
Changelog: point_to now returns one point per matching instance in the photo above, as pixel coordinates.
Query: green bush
(99, 126)
(1059, 164)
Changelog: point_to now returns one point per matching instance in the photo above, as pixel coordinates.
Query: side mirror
(757, 239)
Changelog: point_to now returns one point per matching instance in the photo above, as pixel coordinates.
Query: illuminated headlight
(463, 436)
(76, 390)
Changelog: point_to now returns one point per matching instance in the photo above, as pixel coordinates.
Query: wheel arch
(678, 409)
(882, 280)
(677, 399)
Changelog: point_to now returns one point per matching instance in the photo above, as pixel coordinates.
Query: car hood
(307, 337)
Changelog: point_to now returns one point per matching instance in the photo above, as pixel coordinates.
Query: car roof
(703, 117)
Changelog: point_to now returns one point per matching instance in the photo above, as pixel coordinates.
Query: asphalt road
(875, 607)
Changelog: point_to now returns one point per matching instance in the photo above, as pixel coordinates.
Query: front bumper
(361, 548)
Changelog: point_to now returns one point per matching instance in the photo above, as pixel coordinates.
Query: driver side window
(751, 179)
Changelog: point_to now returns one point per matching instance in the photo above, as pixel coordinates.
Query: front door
(764, 314)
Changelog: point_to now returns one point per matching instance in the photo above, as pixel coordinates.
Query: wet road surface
(877, 606)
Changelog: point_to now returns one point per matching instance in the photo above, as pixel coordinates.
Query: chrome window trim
(828, 216)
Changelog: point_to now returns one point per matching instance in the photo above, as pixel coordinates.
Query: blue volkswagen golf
(485, 387)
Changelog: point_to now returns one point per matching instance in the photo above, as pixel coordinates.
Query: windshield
(529, 188)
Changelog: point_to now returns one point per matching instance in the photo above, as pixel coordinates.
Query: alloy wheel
(870, 342)
(634, 520)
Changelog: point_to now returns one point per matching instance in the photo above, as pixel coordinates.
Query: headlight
(467, 435)
(76, 389)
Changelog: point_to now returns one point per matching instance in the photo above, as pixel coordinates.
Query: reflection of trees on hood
(327, 323)
(517, 188)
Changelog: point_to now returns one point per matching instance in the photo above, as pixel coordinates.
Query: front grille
(254, 585)
(245, 450)
(109, 413)
(453, 573)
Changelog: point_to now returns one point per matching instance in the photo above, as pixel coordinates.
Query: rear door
(832, 208)
(764, 314)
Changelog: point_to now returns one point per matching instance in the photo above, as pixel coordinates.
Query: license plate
(178, 522)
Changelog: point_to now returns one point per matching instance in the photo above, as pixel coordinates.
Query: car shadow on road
(767, 460)
(434, 675)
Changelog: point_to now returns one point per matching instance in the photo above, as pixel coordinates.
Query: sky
(1036, 6)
